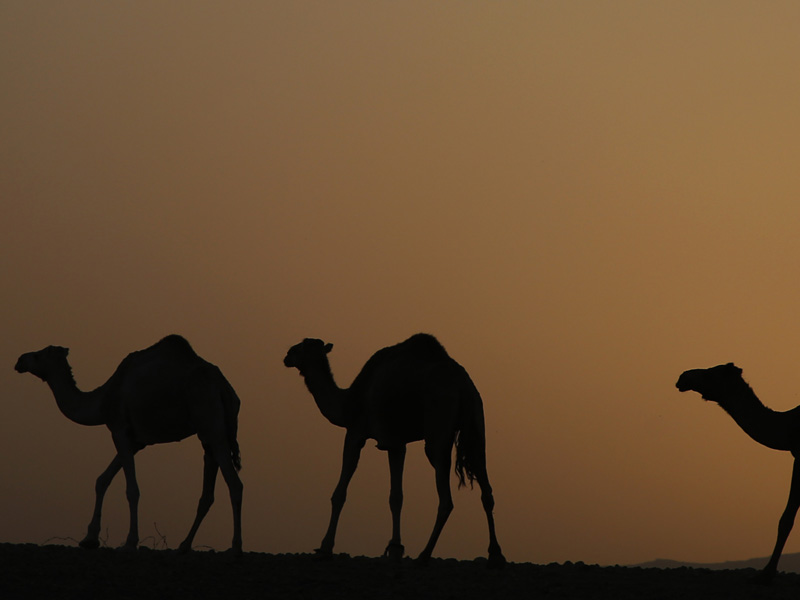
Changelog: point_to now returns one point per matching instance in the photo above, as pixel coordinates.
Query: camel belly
(402, 426)
(160, 422)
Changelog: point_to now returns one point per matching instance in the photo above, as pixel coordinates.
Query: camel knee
(132, 494)
(338, 498)
(445, 508)
(785, 524)
(205, 503)
(396, 500)
(102, 483)
(487, 499)
(236, 488)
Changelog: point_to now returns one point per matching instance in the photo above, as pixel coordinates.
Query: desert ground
(62, 572)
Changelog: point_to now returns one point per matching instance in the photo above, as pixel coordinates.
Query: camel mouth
(20, 368)
(684, 383)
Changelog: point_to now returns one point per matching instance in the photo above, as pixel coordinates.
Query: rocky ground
(60, 572)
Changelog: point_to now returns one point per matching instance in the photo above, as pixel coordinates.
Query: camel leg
(210, 469)
(397, 457)
(350, 455)
(222, 455)
(784, 525)
(132, 493)
(92, 539)
(440, 459)
(496, 558)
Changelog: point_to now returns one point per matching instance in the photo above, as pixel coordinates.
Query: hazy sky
(580, 200)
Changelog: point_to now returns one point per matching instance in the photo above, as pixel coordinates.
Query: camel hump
(419, 348)
(175, 343)
(173, 350)
(423, 345)
(173, 346)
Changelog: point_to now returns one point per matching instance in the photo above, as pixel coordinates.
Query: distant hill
(790, 563)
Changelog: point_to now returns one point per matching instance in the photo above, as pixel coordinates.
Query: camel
(164, 393)
(724, 385)
(405, 393)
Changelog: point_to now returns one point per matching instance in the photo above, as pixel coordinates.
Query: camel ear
(734, 368)
(328, 348)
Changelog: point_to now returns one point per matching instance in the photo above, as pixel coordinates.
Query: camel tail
(471, 437)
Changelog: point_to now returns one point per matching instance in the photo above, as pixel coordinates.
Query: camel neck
(764, 425)
(84, 408)
(328, 396)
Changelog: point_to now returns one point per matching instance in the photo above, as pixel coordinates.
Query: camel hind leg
(210, 469)
(439, 457)
(222, 455)
(496, 558)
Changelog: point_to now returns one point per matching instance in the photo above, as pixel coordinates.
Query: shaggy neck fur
(329, 397)
(84, 408)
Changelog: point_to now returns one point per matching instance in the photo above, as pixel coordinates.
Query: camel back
(425, 349)
(176, 349)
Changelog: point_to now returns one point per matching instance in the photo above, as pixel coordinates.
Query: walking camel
(724, 385)
(404, 393)
(164, 393)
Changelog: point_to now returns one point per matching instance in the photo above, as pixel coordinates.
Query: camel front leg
(441, 463)
(132, 494)
(784, 525)
(92, 539)
(397, 457)
(210, 469)
(125, 454)
(350, 455)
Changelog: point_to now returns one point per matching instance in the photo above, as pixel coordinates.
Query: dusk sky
(580, 200)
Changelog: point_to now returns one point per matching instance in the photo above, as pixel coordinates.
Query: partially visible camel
(724, 385)
(164, 393)
(405, 393)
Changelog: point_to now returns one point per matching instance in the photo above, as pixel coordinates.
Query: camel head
(711, 384)
(306, 354)
(44, 362)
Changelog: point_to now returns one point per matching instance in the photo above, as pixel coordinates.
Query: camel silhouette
(409, 392)
(164, 393)
(724, 385)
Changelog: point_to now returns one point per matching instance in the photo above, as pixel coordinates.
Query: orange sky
(579, 200)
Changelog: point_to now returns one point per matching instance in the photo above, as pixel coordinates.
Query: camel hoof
(394, 551)
(322, 554)
(422, 560)
(184, 548)
(496, 561)
(89, 543)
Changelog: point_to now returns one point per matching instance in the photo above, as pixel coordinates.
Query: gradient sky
(580, 200)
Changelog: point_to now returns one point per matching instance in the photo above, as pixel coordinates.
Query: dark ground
(62, 573)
